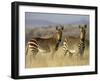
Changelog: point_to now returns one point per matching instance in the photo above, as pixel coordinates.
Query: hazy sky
(32, 18)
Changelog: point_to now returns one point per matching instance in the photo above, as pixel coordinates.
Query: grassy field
(45, 59)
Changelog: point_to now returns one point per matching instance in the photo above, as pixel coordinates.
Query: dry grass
(45, 59)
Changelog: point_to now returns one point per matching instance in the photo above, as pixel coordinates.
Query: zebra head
(59, 32)
(58, 36)
(82, 28)
(82, 31)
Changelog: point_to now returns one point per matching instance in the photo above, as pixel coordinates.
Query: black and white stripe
(32, 46)
(50, 44)
(66, 48)
(79, 45)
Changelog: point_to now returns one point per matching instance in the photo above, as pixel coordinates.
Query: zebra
(69, 47)
(82, 39)
(75, 45)
(50, 44)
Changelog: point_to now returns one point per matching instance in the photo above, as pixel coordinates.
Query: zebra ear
(79, 26)
(56, 27)
(62, 27)
(85, 26)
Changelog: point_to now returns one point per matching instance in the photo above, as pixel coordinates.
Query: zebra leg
(55, 48)
(34, 53)
(53, 53)
(30, 60)
(26, 53)
(26, 50)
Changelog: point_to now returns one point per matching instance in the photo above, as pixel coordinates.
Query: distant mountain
(38, 22)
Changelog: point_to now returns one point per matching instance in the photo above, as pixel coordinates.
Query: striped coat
(50, 44)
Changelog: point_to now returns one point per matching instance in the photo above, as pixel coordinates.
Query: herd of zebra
(51, 44)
